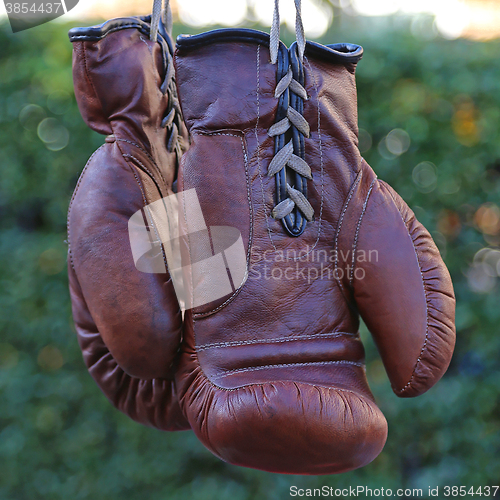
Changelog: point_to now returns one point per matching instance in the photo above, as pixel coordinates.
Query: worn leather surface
(273, 376)
(128, 323)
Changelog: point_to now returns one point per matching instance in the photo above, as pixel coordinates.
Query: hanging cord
(172, 121)
(275, 32)
(156, 15)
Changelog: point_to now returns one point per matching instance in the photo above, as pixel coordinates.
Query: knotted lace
(285, 157)
(172, 121)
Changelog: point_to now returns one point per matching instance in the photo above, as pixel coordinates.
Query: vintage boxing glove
(128, 321)
(272, 375)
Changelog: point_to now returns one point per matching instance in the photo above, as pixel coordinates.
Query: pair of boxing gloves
(225, 239)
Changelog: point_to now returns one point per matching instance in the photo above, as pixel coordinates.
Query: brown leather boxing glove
(128, 322)
(272, 375)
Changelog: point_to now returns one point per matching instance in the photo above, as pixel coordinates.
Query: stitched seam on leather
(143, 167)
(264, 206)
(318, 336)
(322, 170)
(362, 397)
(424, 347)
(76, 277)
(73, 199)
(147, 154)
(355, 243)
(288, 365)
(260, 384)
(125, 156)
(190, 260)
(250, 207)
(146, 208)
(140, 186)
(149, 48)
(341, 220)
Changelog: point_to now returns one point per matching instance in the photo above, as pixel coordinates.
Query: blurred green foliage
(430, 120)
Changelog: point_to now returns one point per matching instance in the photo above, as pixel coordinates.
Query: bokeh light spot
(425, 176)
(53, 133)
(52, 261)
(465, 123)
(398, 141)
(479, 279)
(365, 141)
(449, 224)
(50, 358)
(31, 115)
(487, 218)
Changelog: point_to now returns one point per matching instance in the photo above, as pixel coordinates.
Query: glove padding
(128, 322)
(416, 338)
(272, 375)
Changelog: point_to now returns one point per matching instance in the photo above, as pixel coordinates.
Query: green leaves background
(429, 110)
